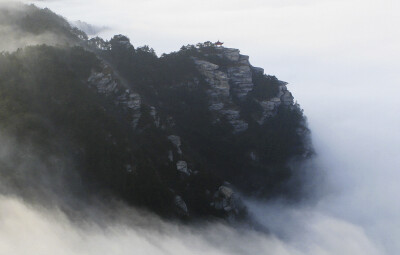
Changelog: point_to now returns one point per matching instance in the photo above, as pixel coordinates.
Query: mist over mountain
(108, 148)
(177, 134)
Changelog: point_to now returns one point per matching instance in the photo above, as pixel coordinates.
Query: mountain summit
(181, 134)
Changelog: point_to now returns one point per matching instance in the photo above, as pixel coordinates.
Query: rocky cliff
(179, 134)
(234, 80)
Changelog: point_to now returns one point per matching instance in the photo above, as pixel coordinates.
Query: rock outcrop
(220, 92)
(176, 141)
(166, 133)
(181, 206)
(270, 106)
(182, 167)
(226, 200)
(233, 81)
(229, 82)
(106, 83)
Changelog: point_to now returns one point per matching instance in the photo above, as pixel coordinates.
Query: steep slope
(236, 121)
(178, 134)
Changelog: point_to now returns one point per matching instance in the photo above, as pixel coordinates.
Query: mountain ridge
(177, 134)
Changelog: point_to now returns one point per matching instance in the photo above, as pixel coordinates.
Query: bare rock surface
(235, 81)
(106, 83)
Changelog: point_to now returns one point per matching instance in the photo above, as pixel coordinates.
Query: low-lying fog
(341, 60)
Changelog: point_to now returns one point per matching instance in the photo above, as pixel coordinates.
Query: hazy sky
(341, 58)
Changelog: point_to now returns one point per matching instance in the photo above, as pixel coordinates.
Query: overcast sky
(341, 59)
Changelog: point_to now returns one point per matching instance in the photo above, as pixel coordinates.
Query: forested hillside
(180, 134)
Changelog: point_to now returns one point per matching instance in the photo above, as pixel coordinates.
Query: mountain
(182, 134)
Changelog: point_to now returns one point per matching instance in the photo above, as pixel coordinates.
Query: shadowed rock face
(106, 83)
(234, 81)
(176, 140)
(181, 206)
(169, 132)
(228, 84)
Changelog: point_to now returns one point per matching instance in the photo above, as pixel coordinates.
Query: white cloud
(341, 58)
(25, 229)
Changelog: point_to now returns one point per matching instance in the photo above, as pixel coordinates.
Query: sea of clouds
(341, 59)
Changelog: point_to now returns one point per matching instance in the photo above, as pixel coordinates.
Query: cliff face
(220, 115)
(106, 83)
(234, 80)
(178, 134)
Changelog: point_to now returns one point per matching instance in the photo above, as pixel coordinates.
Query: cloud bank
(341, 59)
(26, 229)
